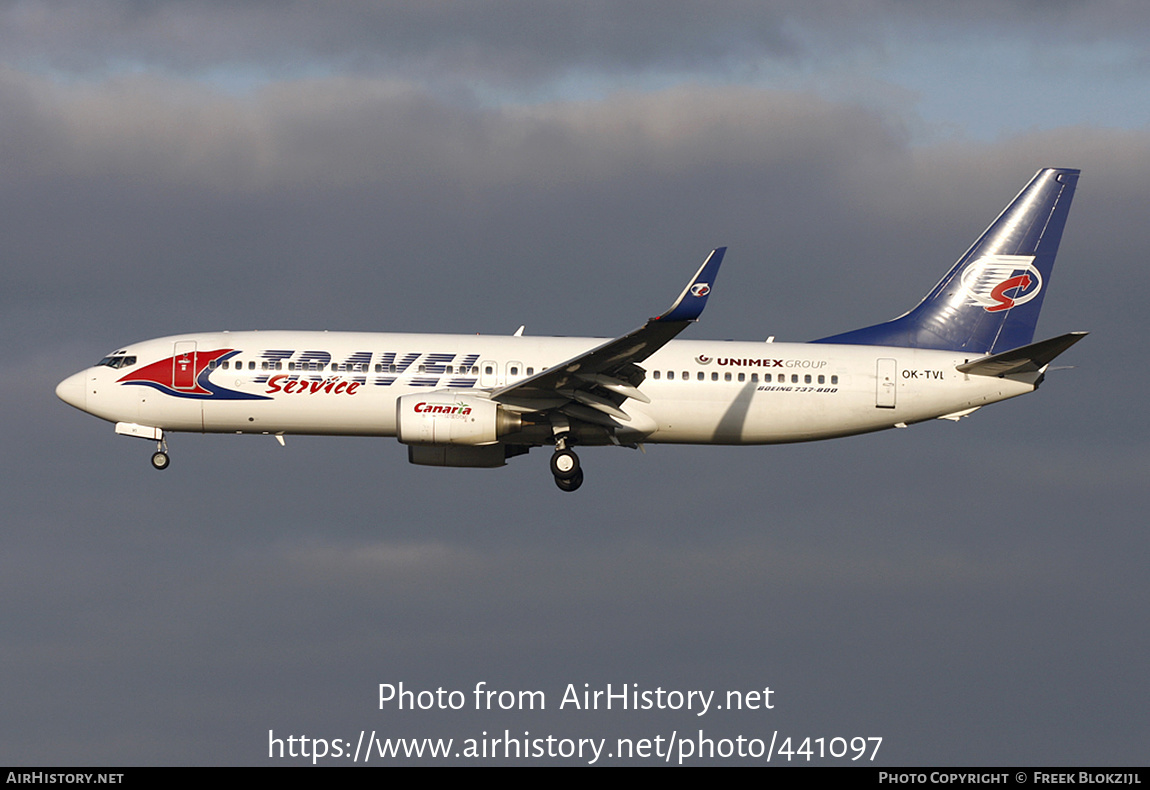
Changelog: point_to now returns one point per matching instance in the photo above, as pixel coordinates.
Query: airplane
(477, 401)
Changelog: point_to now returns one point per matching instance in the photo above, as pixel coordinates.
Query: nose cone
(73, 390)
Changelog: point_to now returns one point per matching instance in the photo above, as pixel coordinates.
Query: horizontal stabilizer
(1026, 359)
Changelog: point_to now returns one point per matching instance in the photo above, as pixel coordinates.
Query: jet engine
(446, 417)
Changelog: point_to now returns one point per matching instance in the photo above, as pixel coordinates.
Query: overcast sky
(973, 593)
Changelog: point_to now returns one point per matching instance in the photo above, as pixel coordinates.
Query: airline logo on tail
(1000, 282)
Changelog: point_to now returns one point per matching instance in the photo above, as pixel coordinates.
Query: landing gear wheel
(570, 483)
(564, 465)
(160, 460)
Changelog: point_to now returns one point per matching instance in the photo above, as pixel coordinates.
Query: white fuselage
(701, 392)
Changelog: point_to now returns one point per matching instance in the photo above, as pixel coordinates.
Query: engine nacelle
(486, 456)
(446, 417)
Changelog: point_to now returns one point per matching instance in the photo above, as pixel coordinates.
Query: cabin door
(886, 383)
(184, 365)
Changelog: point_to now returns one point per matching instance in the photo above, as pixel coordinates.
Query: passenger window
(755, 377)
(742, 377)
(670, 375)
(807, 379)
(700, 376)
(822, 379)
(726, 377)
(530, 371)
(794, 378)
(834, 379)
(715, 376)
(686, 375)
(514, 371)
(655, 375)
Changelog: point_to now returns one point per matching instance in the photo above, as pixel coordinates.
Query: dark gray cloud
(520, 42)
(972, 593)
(385, 187)
(516, 40)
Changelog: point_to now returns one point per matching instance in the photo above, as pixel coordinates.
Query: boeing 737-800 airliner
(471, 400)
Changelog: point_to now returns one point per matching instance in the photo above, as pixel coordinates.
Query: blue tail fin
(989, 302)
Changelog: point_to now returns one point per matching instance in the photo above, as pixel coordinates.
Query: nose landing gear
(160, 459)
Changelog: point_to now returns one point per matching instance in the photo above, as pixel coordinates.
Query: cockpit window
(117, 361)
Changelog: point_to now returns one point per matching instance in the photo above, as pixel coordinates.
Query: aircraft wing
(592, 386)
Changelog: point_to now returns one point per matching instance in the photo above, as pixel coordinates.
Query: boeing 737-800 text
(464, 400)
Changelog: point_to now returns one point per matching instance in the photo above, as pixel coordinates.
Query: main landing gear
(565, 466)
(570, 484)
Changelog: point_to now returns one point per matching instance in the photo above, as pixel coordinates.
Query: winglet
(689, 306)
